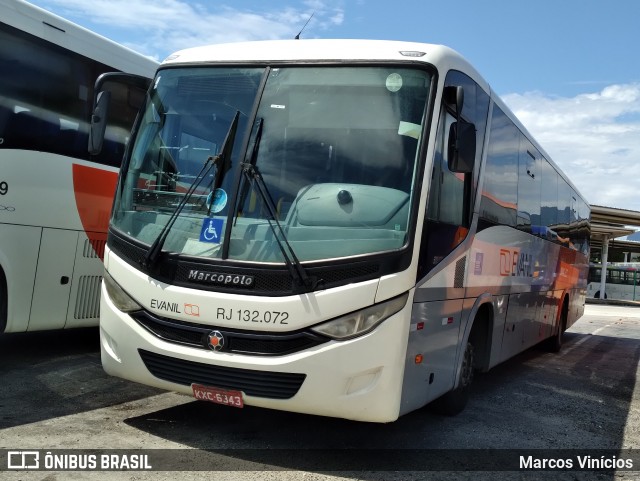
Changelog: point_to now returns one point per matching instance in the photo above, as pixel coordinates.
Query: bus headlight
(118, 296)
(360, 322)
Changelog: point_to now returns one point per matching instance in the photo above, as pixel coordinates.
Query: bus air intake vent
(94, 250)
(266, 384)
(88, 298)
(458, 279)
(255, 343)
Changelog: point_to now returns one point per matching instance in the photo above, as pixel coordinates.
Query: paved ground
(54, 395)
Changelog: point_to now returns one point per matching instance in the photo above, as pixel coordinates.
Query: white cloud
(162, 26)
(594, 138)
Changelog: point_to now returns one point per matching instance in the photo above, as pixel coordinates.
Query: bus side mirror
(462, 147)
(127, 93)
(98, 122)
(461, 153)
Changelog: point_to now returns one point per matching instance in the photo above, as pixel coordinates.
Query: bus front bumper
(358, 379)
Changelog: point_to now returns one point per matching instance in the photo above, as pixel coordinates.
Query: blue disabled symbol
(211, 230)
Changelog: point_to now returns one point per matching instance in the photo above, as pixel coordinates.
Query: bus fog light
(118, 296)
(363, 321)
(364, 382)
(110, 345)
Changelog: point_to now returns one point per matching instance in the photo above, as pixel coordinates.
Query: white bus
(622, 282)
(55, 199)
(336, 227)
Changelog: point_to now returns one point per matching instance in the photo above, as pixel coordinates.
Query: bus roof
(326, 50)
(52, 28)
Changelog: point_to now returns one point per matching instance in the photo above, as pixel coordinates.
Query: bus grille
(458, 278)
(240, 342)
(88, 298)
(267, 384)
(278, 282)
(269, 281)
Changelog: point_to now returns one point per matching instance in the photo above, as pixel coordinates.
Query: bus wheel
(597, 295)
(554, 344)
(454, 402)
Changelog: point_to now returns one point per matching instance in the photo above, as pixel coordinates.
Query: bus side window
(529, 187)
(22, 126)
(499, 200)
(5, 114)
(450, 195)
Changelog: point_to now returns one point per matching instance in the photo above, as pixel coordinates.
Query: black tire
(454, 402)
(597, 295)
(554, 344)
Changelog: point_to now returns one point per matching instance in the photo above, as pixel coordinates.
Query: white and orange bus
(55, 199)
(337, 227)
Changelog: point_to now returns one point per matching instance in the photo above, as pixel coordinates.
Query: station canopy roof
(611, 223)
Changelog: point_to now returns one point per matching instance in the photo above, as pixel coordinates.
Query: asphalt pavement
(55, 398)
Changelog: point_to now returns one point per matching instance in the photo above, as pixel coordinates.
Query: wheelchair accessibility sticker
(211, 230)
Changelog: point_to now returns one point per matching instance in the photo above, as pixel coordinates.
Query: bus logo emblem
(215, 341)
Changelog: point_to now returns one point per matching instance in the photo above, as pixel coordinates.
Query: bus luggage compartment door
(53, 279)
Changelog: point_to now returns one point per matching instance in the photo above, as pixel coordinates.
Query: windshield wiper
(224, 158)
(303, 280)
(222, 163)
(251, 176)
(244, 191)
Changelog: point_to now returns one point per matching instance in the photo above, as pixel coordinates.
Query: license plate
(217, 395)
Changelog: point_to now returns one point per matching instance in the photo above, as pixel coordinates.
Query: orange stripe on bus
(94, 189)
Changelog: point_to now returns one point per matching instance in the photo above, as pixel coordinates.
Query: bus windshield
(327, 152)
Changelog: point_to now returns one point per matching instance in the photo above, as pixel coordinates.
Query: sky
(569, 69)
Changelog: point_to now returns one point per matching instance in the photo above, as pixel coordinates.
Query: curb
(612, 302)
